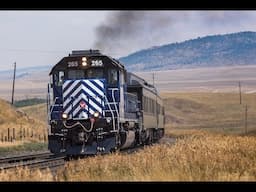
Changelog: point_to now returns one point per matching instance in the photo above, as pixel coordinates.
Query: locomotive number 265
(97, 63)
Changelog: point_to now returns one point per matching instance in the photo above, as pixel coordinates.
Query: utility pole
(245, 126)
(153, 79)
(240, 94)
(14, 74)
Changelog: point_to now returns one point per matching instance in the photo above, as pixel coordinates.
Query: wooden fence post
(8, 134)
(20, 132)
(13, 134)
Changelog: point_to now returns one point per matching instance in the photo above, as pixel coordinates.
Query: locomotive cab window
(75, 74)
(94, 73)
(59, 78)
(112, 77)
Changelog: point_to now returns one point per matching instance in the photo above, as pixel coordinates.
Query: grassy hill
(37, 112)
(11, 117)
(210, 51)
(211, 145)
(219, 112)
(200, 110)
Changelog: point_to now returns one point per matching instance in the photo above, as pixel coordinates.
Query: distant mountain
(210, 51)
(23, 72)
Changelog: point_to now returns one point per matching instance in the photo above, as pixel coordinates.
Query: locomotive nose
(83, 99)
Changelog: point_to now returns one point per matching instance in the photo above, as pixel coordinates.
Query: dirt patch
(172, 119)
(186, 105)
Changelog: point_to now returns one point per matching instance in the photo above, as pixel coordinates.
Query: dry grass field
(218, 112)
(211, 145)
(38, 112)
(25, 124)
(199, 156)
(212, 79)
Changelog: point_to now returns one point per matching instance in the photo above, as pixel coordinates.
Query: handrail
(111, 111)
(54, 104)
(117, 113)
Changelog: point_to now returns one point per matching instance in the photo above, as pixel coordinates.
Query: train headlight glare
(96, 114)
(84, 59)
(84, 63)
(64, 115)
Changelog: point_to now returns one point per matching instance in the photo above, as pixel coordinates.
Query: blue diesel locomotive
(95, 106)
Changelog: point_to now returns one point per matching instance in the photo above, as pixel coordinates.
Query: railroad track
(32, 161)
(17, 158)
(48, 160)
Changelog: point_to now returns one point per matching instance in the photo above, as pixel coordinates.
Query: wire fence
(22, 134)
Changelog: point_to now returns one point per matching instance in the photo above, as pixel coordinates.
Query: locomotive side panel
(160, 113)
(149, 109)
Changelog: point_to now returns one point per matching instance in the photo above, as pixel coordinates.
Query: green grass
(34, 146)
(28, 102)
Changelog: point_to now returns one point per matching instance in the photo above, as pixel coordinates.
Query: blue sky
(35, 38)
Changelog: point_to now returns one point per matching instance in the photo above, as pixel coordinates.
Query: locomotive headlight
(84, 63)
(64, 115)
(84, 59)
(96, 114)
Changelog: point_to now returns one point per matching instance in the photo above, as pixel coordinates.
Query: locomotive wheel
(143, 137)
(149, 140)
(114, 150)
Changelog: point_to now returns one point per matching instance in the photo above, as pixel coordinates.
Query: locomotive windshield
(75, 74)
(93, 73)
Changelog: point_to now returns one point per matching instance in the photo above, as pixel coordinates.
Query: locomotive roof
(135, 80)
(87, 53)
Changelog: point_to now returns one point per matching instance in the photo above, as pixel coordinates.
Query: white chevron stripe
(99, 109)
(84, 96)
(100, 83)
(84, 114)
(77, 110)
(78, 116)
(81, 96)
(81, 87)
(66, 102)
(74, 94)
(68, 109)
(101, 93)
(70, 88)
(95, 88)
(75, 113)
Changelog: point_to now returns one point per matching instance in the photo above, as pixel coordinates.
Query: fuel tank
(128, 138)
